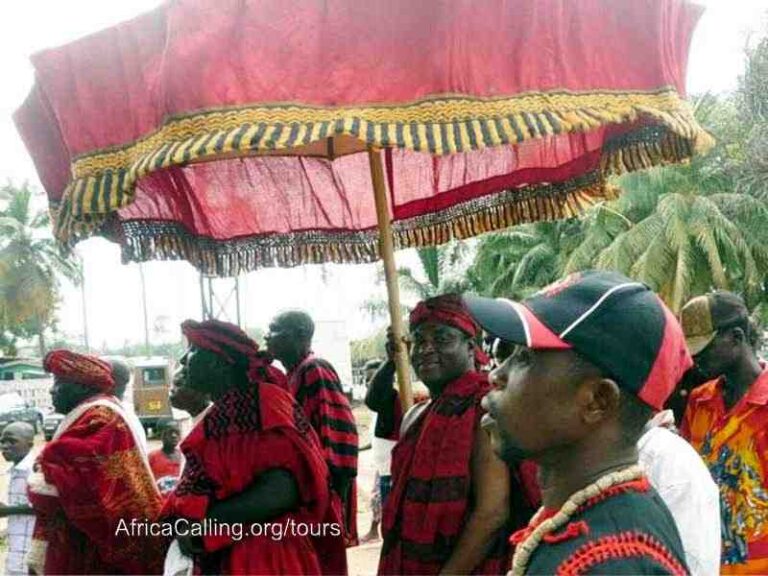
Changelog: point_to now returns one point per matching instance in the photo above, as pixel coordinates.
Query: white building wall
(36, 391)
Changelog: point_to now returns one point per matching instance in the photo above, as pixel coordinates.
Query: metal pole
(386, 247)
(237, 300)
(147, 349)
(85, 307)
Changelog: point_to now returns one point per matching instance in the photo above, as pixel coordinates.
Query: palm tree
(29, 266)
(441, 270)
(517, 262)
(688, 244)
(753, 107)
(685, 229)
(441, 267)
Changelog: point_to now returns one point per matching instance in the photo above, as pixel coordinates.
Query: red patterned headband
(233, 344)
(80, 369)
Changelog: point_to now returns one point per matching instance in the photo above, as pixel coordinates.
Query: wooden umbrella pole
(386, 247)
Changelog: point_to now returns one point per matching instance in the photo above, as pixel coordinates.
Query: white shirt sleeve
(684, 483)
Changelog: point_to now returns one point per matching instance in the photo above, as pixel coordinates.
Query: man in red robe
(92, 480)
(253, 466)
(317, 388)
(449, 507)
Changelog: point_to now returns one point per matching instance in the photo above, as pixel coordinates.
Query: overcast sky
(113, 290)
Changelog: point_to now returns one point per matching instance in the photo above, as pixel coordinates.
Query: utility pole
(147, 348)
(81, 263)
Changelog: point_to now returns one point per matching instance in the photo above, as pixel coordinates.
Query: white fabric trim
(412, 415)
(516, 307)
(37, 484)
(596, 305)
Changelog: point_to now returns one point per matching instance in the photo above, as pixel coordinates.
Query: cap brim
(696, 344)
(513, 322)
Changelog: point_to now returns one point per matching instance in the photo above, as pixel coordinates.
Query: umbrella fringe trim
(104, 181)
(647, 147)
(147, 240)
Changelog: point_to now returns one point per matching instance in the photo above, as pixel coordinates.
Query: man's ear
(738, 335)
(599, 399)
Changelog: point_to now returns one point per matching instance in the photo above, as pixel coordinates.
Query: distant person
(726, 421)
(682, 480)
(166, 461)
(122, 374)
(16, 442)
(91, 479)
(376, 501)
(317, 388)
(253, 458)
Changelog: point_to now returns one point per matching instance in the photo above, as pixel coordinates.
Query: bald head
(290, 336)
(298, 322)
(16, 441)
(21, 430)
(121, 373)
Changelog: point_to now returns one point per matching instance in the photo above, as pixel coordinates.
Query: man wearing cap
(91, 479)
(727, 422)
(597, 354)
(252, 461)
(450, 497)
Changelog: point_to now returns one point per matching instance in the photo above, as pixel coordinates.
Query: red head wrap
(448, 309)
(80, 369)
(233, 344)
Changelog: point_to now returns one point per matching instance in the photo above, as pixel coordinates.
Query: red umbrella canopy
(233, 133)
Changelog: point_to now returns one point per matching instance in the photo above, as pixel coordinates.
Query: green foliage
(752, 101)
(683, 229)
(517, 262)
(30, 267)
(369, 348)
(441, 270)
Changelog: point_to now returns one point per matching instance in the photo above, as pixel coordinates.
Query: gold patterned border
(104, 181)
(652, 145)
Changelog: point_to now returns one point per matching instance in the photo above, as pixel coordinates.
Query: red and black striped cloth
(428, 507)
(318, 391)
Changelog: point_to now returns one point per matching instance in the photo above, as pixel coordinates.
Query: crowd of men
(556, 457)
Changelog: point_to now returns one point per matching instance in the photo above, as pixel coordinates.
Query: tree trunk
(41, 343)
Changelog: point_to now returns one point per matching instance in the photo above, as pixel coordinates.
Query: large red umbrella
(239, 134)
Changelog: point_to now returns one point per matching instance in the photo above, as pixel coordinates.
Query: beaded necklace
(527, 547)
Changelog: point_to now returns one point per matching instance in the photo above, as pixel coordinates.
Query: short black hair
(166, 423)
(634, 414)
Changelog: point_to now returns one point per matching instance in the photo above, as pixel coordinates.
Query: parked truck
(151, 385)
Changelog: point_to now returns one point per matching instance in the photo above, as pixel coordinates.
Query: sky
(113, 291)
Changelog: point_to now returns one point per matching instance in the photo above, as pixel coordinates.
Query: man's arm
(272, 494)
(15, 510)
(490, 484)
(381, 388)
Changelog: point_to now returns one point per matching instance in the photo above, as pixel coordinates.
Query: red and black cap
(618, 324)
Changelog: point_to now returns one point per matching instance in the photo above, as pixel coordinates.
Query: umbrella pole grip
(387, 250)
